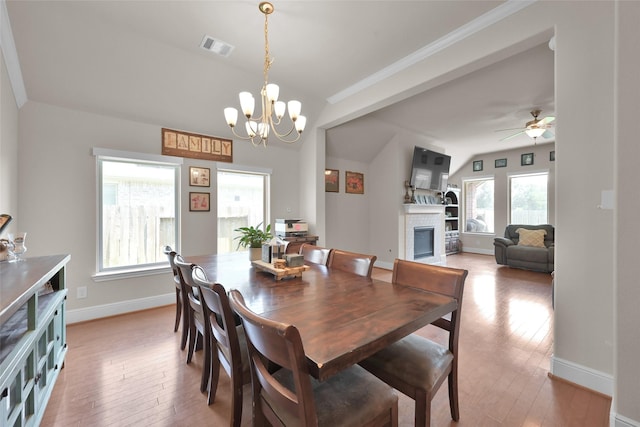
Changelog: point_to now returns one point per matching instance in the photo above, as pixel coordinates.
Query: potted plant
(253, 238)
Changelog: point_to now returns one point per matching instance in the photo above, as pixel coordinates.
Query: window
(528, 199)
(478, 205)
(138, 211)
(243, 200)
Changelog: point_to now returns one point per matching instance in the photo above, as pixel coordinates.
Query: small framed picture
(354, 183)
(199, 202)
(332, 180)
(552, 156)
(526, 159)
(477, 165)
(199, 177)
(501, 163)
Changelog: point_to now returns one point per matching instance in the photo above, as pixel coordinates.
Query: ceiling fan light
(534, 132)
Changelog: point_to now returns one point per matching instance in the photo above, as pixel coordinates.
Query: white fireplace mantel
(423, 209)
(417, 215)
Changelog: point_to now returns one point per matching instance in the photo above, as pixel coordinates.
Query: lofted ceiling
(141, 60)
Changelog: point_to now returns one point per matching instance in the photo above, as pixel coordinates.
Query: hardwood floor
(129, 370)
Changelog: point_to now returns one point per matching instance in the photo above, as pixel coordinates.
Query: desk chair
(226, 342)
(417, 366)
(290, 396)
(353, 262)
(194, 310)
(170, 253)
(314, 254)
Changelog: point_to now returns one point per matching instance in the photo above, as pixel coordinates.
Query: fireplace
(424, 234)
(422, 242)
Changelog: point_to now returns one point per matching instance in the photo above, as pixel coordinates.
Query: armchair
(534, 250)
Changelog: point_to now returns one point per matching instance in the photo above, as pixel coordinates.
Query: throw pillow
(533, 238)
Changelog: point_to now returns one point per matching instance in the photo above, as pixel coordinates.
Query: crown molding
(10, 54)
(497, 14)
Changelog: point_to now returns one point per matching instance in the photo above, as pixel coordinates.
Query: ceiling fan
(534, 128)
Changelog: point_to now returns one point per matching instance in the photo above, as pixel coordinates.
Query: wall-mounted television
(429, 170)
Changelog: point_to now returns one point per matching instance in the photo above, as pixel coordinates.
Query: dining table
(342, 317)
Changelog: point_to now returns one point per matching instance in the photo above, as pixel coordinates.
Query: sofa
(530, 247)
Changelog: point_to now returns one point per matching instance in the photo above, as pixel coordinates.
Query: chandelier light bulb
(272, 92)
(231, 116)
(247, 103)
(279, 109)
(300, 123)
(294, 109)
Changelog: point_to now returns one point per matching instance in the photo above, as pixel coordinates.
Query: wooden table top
(342, 317)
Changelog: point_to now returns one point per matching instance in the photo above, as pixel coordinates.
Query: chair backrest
(221, 323)
(274, 342)
(188, 287)
(433, 278)
(511, 233)
(360, 264)
(171, 254)
(315, 254)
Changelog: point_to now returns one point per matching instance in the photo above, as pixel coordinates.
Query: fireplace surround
(419, 217)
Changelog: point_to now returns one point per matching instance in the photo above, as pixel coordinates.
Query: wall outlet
(81, 292)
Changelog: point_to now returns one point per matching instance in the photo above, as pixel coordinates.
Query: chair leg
(178, 311)
(185, 329)
(192, 341)
(206, 364)
(214, 376)
(236, 400)
(453, 395)
(422, 409)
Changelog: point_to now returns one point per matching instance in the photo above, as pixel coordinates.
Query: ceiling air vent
(216, 46)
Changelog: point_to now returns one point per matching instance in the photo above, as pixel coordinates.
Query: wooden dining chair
(290, 396)
(170, 253)
(417, 366)
(350, 261)
(194, 310)
(314, 254)
(226, 342)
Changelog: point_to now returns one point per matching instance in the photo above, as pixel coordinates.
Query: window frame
(114, 273)
(509, 192)
(266, 173)
(463, 217)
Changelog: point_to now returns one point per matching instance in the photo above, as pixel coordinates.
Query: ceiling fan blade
(546, 120)
(547, 134)
(502, 130)
(512, 136)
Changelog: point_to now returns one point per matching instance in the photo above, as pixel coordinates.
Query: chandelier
(259, 128)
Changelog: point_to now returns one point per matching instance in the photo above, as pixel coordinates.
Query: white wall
(57, 201)
(584, 333)
(627, 374)
(8, 150)
(483, 243)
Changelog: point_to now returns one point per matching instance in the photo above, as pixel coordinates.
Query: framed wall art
(332, 180)
(354, 182)
(199, 177)
(501, 163)
(526, 159)
(477, 165)
(199, 202)
(195, 146)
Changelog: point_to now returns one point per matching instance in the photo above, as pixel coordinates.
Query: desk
(342, 317)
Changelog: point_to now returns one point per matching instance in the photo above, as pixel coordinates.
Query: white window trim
(462, 218)
(138, 271)
(522, 174)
